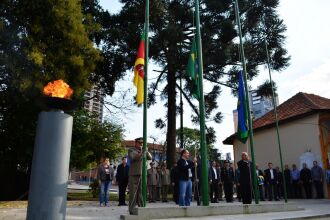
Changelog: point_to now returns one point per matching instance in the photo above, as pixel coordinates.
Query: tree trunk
(171, 118)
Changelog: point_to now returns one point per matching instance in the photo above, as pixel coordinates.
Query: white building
(304, 127)
(94, 102)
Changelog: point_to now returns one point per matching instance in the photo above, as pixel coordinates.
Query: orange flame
(58, 88)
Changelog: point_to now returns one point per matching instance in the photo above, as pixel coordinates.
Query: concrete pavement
(90, 210)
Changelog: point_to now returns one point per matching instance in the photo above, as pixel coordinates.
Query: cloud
(316, 82)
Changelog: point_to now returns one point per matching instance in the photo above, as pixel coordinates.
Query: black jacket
(268, 176)
(305, 175)
(174, 175)
(287, 174)
(183, 167)
(212, 174)
(227, 175)
(122, 173)
(244, 172)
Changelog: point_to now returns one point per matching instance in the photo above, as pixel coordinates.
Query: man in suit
(288, 181)
(306, 179)
(244, 167)
(228, 178)
(220, 192)
(122, 180)
(271, 178)
(135, 154)
(214, 179)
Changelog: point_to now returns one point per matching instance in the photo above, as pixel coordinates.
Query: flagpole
(181, 114)
(145, 106)
(254, 178)
(276, 117)
(205, 186)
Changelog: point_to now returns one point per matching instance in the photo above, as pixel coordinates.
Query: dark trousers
(220, 191)
(152, 193)
(122, 189)
(319, 189)
(197, 192)
(214, 192)
(296, 191)
(266, 190)
(246, 193)
(164, 193)
(228, 187)
(280, 190)
(238, 192)
(288, 189)
(261, 192)
(272, 190)
(308, 189)
(176, 193)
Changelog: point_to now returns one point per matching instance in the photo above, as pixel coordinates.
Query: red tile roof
(298, 106)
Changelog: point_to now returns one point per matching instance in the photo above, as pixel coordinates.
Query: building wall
(296, 138)
(94, 102)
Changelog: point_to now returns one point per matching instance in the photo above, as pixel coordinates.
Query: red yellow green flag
(139, 72)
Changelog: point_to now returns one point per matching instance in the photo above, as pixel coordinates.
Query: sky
(307, 42)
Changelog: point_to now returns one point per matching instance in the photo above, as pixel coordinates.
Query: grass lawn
(74, 199)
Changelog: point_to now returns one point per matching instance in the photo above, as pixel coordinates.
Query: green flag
(192, 71)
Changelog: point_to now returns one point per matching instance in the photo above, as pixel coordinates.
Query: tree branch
(159, 77)
(220, 83)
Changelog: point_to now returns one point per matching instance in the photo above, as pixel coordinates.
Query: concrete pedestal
(50, 167)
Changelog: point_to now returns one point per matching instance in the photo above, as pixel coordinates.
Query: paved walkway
(90, 210)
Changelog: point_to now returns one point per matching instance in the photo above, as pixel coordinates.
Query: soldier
(135, 154)
(165, 180)
(159, 184)
(152, 182)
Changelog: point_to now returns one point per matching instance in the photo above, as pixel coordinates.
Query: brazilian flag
(242, 129)
(192, 71)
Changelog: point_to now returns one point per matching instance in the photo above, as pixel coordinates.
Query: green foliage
(92, 140)
(57, 43)
(191, 142)
(42, 41)
(94, 188)
(265, 89)
(169, 19)
(191, 138)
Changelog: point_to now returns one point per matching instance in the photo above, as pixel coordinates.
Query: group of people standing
(186, 174)
(158, 180)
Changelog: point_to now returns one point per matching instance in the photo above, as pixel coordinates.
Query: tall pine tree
(169, 19)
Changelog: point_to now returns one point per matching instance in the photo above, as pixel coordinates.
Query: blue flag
(242, 129)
